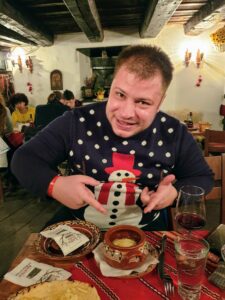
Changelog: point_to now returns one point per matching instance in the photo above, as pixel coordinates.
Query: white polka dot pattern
(160, 143)
(89, 133)
(80, 142)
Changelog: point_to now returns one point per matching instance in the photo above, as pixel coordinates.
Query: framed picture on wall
(56, 80)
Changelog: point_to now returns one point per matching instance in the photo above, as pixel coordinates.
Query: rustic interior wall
(182, 94)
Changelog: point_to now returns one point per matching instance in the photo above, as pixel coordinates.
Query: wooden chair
(217, 164)
(214, 142)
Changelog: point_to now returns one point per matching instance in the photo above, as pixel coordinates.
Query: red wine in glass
(190, 221)
(190, 208)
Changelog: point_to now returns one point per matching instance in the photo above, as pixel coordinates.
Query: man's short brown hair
(146, 61)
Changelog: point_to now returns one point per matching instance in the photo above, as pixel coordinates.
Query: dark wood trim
(206, 17)
(13, 37)
(157, 15)
(19, 22)
(86, 16)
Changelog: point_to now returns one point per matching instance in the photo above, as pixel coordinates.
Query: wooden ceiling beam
(86, 16)
(157, 15)
(19, 22)
(13, 36)
(207, 16)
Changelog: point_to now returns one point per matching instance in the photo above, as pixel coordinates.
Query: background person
(127, 158)
(48, 112)
(70, 100)
(23, 113)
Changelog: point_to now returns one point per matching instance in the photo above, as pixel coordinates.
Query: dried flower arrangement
(218, 39)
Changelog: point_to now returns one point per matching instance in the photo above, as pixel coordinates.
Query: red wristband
(51, 185)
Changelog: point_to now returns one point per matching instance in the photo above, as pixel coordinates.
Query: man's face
(70, 103)
(133, 102)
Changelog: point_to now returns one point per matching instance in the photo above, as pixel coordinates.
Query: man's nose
(128, 109)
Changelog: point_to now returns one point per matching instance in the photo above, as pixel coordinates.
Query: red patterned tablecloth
(148, 287)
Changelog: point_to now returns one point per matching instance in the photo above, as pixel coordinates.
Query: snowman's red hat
(122, 162)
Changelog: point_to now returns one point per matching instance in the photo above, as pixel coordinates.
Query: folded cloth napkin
(218, 276)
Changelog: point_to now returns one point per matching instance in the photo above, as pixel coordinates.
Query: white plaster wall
(182, 94)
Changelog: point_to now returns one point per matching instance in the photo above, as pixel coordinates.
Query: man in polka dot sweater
(127, 159)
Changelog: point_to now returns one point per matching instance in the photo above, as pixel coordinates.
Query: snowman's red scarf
(105, 189)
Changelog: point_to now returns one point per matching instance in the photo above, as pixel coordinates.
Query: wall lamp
(187, 57)
(19, 63)
(198, 58)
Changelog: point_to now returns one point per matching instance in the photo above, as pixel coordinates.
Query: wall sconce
(187, 57)
(19, 63)
(29, 64)
(199, 58)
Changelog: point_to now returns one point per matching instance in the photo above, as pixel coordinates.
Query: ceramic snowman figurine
(118, 195)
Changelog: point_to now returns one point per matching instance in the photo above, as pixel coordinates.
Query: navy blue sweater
(85, 139)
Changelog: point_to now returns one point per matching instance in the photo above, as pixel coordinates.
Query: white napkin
(30, 272)
(109, 271)
(3, 146)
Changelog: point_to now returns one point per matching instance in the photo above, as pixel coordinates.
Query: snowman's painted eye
(126, 174)
(118, 174)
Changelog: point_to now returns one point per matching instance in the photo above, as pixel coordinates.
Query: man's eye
(119, 94)
(143, 103)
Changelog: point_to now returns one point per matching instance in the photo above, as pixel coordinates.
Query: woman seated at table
(23, 113)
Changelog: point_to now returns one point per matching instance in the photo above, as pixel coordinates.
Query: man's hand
(162, 197)
(72, 191)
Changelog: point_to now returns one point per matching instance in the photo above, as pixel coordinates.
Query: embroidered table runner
(147, 287)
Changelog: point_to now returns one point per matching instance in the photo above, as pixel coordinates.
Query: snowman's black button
(115, 210)
(113, 216)
(119, 186)
(117, 194)
(112, 223)
(115, 203)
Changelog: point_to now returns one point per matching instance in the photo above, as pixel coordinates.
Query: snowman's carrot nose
(128, 179)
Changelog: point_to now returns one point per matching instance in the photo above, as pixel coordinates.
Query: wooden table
(144, 288)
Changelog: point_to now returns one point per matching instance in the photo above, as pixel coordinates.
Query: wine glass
(190, 208)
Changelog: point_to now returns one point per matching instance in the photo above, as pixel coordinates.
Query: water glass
(191, 253)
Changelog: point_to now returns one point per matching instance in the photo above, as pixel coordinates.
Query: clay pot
(125, 247)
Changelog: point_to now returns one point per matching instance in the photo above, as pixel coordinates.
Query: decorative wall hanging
(56, 80)
(218, 39)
